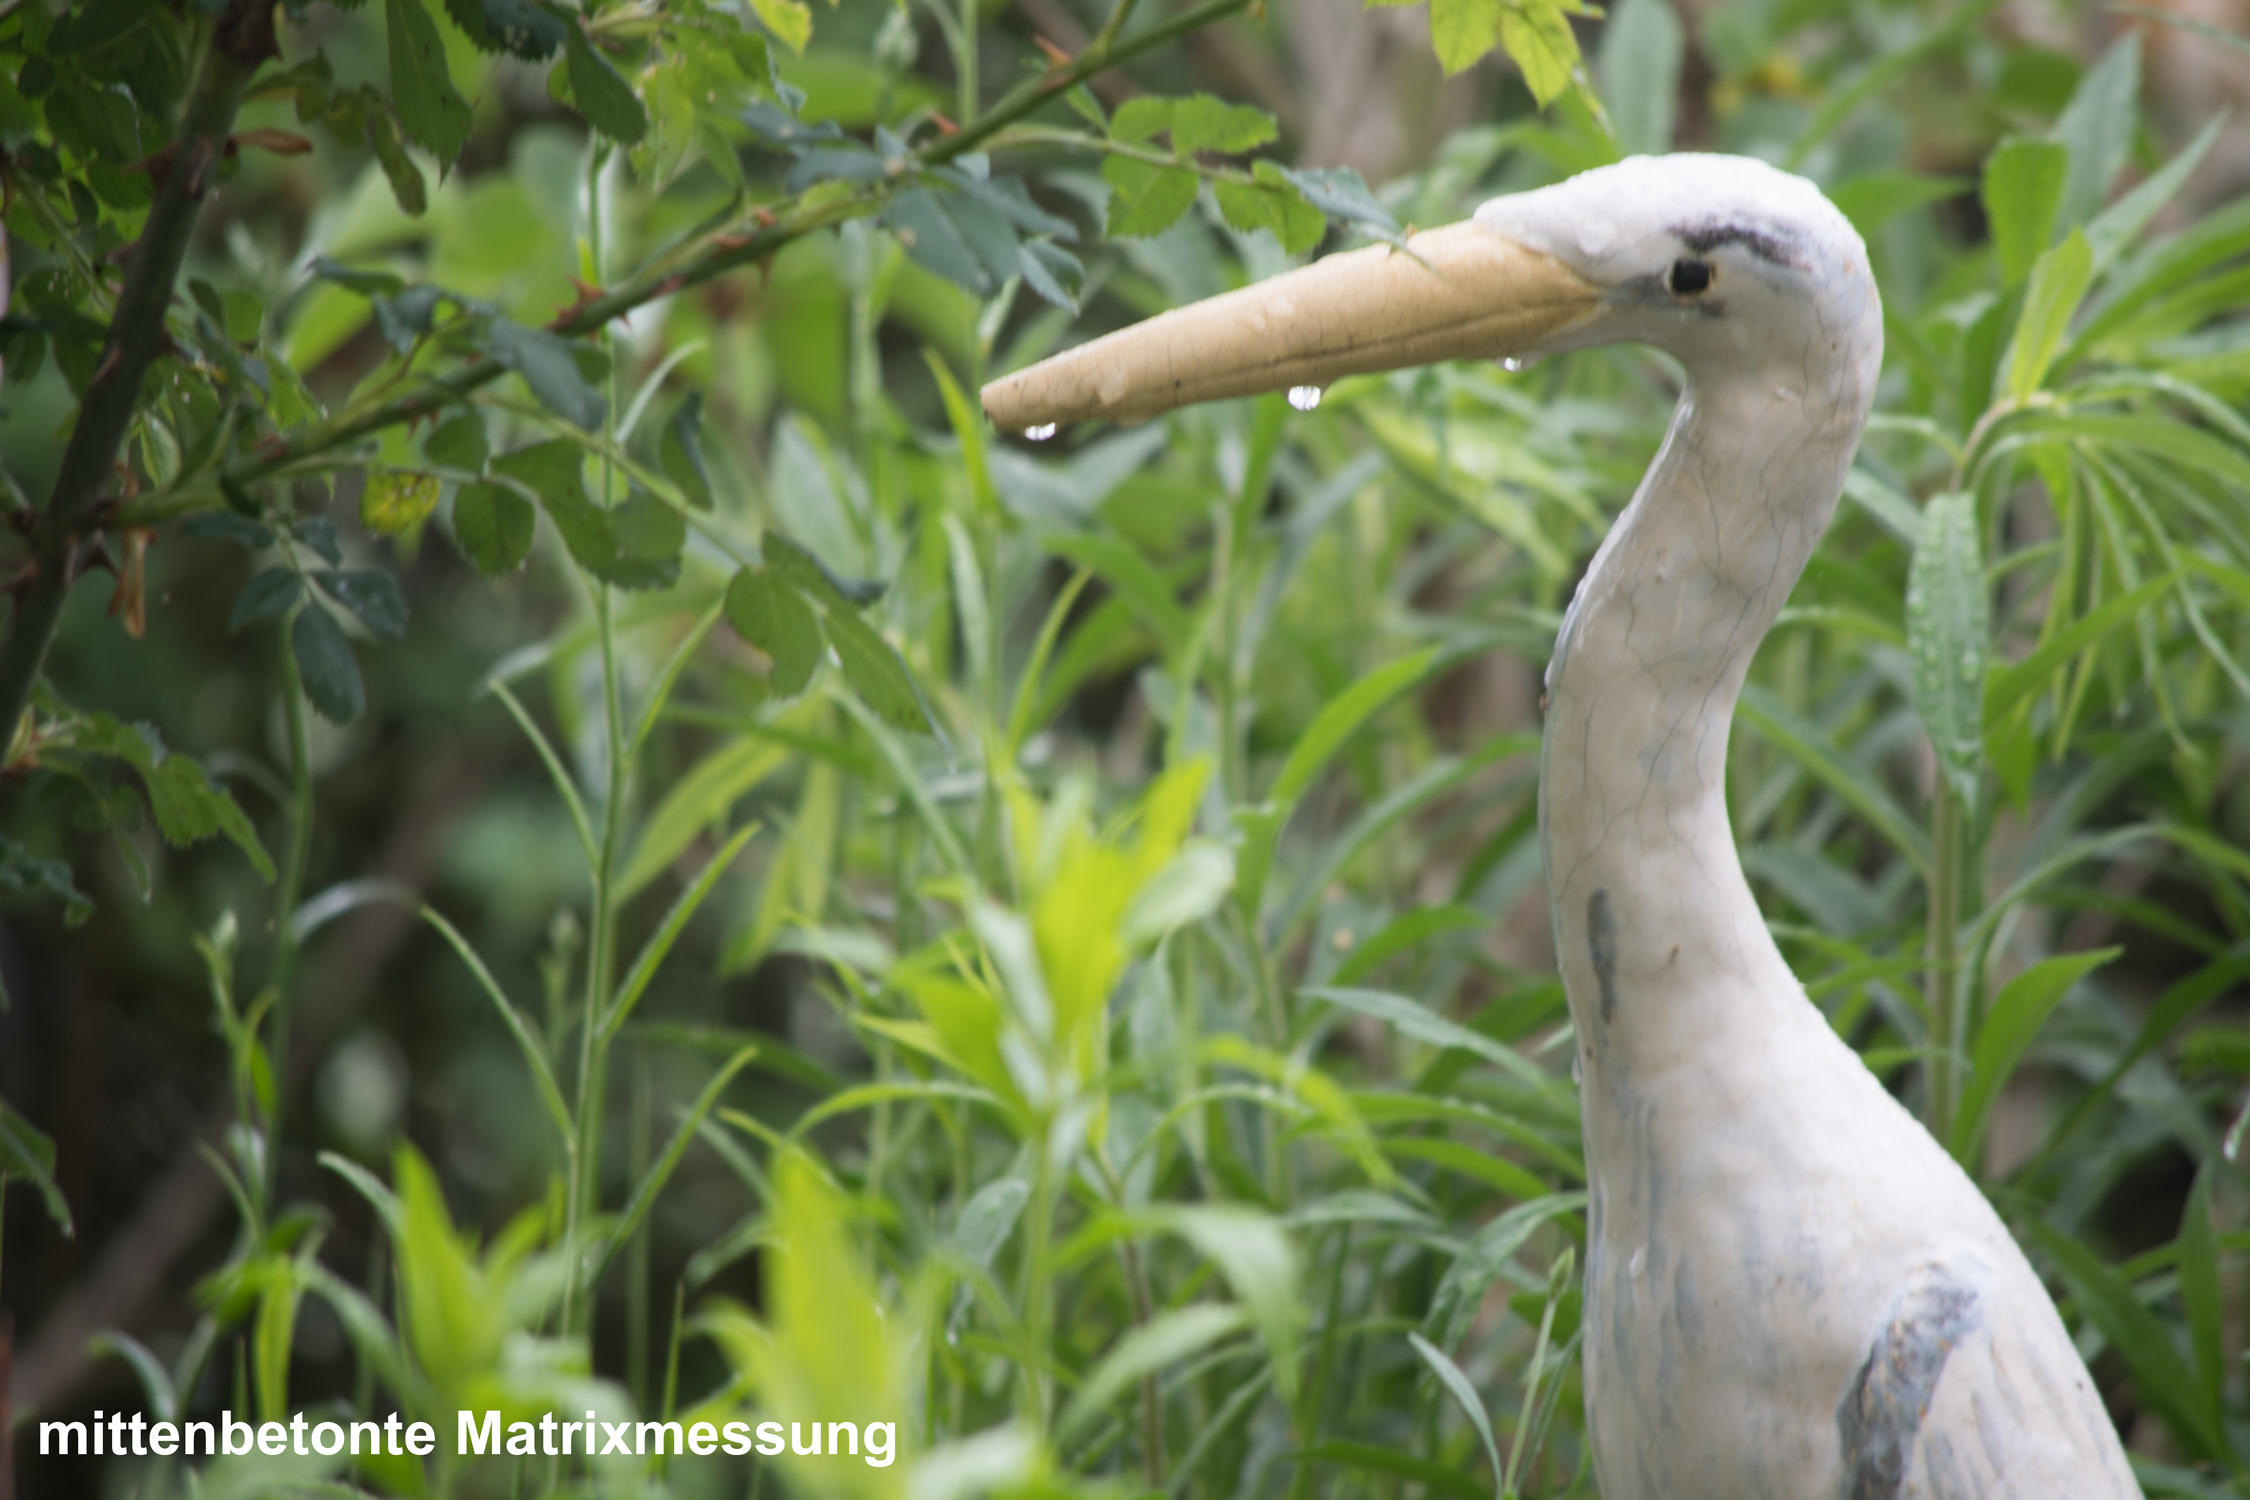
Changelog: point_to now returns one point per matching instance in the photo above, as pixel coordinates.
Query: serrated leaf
(24, 874)
(520, 27)
(1463, 31)
(27, 1153)
(429, 109)
(2058, 285)
(1272, 203)
(936, 241)
(407, 187)
(1146, 199)
(1948, 632)
(396, 502)
(1052, 272)
(604, 97)
(327, 666)
(1539, 38)
(493, 526)
(876, 671)
(187, 807)
(1203, 123)
(681, 452)
(1341, 193)
(544, 361)
(1141, 117)
(319, 533)
(268, 595)
(647, 530)
(788, 21)
(459, 442)
(2023, 186)
(371, 594)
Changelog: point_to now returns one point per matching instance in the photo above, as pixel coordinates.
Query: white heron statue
(1792, 1292)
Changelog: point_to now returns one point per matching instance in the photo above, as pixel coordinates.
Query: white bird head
(1727, 263)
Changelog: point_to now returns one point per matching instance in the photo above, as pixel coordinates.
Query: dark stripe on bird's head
(1768, 247)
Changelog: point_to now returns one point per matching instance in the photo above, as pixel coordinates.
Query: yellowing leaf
(1463, 31)
(790, 22)
(397, 501)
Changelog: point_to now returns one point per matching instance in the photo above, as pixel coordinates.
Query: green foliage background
(617, 849)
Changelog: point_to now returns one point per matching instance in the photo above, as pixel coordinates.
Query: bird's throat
(1662, 949)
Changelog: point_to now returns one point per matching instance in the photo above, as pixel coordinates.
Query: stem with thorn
(240, 40)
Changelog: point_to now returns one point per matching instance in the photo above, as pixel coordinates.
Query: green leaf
(371, 594)
(696, 801)
(1342, 194)
(2200, 1300)
(1463, 1391)
(876, 671)
(668, 931)
(1271, 202)
(27, 1153)
(2023, 187)
(647, 531)
(459, 443)
(1435, 1478)
(1140, 117)
(448, 1312)
(544, 361)
(1464, 31)
(272, 1334)
(493, 526)
(405, 177)
(604, 97)
(772, 616)
(268, 595)
(187, 807)
(660, 1171)
(1641, 51)
(1948, 634)
(521, 27)
(2010, 1024)
(2160, 1377)
(1204, 123)
(2011, 685)
(2098, 126)
(937, 241)
(1426, 1025)
(1165, 1342)
(789, 22)
(1146, 199)
(1539, 38)
(681, 452)
(327, 666)
(24, 874)
(2058, 283)
(429, 109)
(1254, 1252)
(625, 547)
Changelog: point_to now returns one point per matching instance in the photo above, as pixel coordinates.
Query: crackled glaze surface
(1792, 1292)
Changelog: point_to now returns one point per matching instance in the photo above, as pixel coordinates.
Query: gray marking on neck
(1601, 944)
(1881, 1415)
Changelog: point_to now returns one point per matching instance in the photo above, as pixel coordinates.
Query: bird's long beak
(1460, 292)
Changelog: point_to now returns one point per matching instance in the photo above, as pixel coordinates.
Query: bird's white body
(1792, 1293)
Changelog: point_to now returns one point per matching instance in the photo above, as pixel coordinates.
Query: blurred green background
(1118, 1037)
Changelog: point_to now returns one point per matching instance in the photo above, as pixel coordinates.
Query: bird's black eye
(1689, 277)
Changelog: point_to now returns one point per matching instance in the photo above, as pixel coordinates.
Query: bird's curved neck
(1660, 944)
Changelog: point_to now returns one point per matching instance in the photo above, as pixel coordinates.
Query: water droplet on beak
(1512, 365)
(1304, 397)
(1040, 433)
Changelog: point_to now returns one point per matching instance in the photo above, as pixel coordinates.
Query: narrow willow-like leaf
(1948, 633)
(1464, 1391)
(2010, 1024)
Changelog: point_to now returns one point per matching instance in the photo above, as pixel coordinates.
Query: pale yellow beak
(1464, 292)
